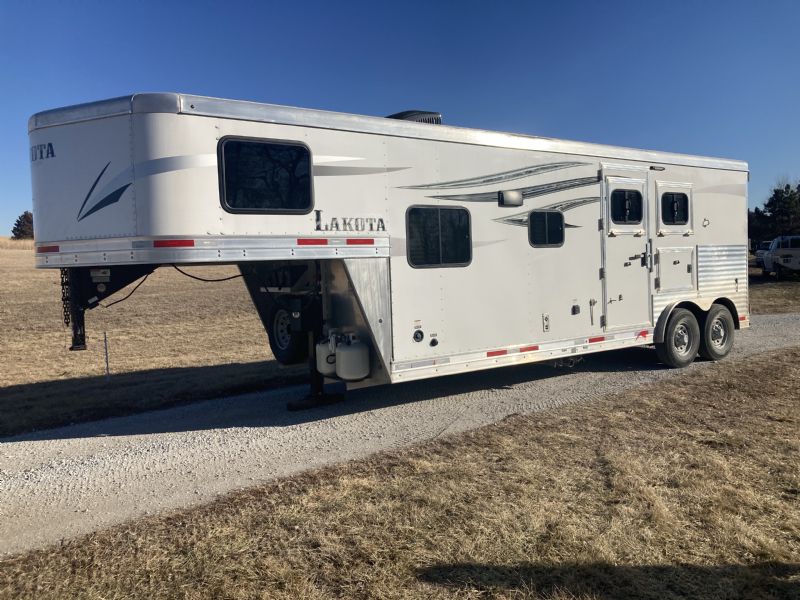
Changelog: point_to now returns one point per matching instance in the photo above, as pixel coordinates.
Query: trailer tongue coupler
(82, 288)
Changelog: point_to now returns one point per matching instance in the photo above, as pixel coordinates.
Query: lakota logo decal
(42, 151)
(348, 223)
(106, 200)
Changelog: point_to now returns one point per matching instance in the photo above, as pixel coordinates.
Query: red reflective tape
(43, 249)
(496, 353)
(173, 243)
(642, 334)
(312, 241)
(529, 349)
(599, 338)
(743, 318)
(360, 241)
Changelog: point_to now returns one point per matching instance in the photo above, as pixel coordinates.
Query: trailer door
(626, 273)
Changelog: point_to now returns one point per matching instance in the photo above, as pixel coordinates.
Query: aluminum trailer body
(441, 249)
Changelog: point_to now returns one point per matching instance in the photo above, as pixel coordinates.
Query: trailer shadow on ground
(606, 581)
(267, 408)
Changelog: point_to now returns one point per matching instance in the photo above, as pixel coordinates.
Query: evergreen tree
(783, 209)
(23, 227)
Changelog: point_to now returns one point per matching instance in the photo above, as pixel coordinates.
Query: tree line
(780, 215)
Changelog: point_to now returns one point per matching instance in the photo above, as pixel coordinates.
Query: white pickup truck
(783, 256)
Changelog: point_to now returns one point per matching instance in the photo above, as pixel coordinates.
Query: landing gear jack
(317, 395)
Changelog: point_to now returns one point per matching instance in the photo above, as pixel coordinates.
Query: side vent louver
(418, 116)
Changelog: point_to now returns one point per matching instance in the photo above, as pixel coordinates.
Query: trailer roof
(272, 113)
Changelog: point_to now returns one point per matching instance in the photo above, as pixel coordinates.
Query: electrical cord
(202, 278)
(129, 295)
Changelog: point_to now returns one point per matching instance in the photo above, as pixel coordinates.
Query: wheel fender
(661, 324)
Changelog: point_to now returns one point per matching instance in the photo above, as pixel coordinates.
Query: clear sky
(716, 78)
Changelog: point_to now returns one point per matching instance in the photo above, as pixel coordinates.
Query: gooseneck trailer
(394, 249)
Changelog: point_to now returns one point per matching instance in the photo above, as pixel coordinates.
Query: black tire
(718, 331)
(681, 340)
(288, 348)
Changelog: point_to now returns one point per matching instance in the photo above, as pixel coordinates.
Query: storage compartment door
(675, 269)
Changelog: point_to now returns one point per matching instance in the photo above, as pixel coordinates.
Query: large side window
(546, 228)
(438, 237)
(626, 207)
(674, 208)
(260, 176)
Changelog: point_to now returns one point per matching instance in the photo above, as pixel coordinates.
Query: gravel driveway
(63, 482)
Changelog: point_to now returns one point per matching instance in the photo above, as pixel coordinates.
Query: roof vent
(418, 116)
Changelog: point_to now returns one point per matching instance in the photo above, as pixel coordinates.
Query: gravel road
(63, 482)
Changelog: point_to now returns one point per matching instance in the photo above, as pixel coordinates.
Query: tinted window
(266, 177)
(438, 237)
(794, 242)
(546, 228)
(674, 209)
(626, 207)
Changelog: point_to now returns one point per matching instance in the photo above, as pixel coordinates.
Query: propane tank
(326, 357)
(352, 359)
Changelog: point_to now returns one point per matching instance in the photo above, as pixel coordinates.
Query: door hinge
(602, 321)
(602, 273)
(599, 224)
(657, 282)
(689, 268)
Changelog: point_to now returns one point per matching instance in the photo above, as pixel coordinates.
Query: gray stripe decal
(113, 190)
(334, 170)
(521, 219)
(527, 192)
(495, 177)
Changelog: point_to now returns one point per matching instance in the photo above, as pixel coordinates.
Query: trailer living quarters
(394, 249)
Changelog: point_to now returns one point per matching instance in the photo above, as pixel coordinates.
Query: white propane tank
(326, 359)
(352, 360)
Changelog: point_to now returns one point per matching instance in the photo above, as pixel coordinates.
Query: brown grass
(770, 296)
(7, 243)
(160, 341)
(684, 488)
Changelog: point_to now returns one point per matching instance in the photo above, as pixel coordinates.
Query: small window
(438, 237)
(265, 177)
(794, 243)
(546, 228)
(626, 207)
(674, 208)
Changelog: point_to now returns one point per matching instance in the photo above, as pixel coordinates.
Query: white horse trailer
(393, 249)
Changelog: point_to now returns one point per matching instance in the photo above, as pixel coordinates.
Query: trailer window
(438, 237)
(265, 176)
(674, 208)
(546, 228)
(626, 207)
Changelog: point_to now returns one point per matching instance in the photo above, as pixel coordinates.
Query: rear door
(626, 262)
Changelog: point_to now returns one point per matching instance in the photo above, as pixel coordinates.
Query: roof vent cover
(418, 116)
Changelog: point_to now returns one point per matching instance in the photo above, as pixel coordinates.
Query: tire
(718, 331)
(681, 340)
(288, 348)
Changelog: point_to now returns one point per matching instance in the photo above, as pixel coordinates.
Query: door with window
(626, 260)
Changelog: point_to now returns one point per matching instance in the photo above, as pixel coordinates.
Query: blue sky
(713, 78)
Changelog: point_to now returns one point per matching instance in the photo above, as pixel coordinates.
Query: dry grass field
(175, 339)
(687, 488)
(768, 295)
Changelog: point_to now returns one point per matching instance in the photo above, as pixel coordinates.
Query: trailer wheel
(288, 347)
(681, 339)
(718, 329)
